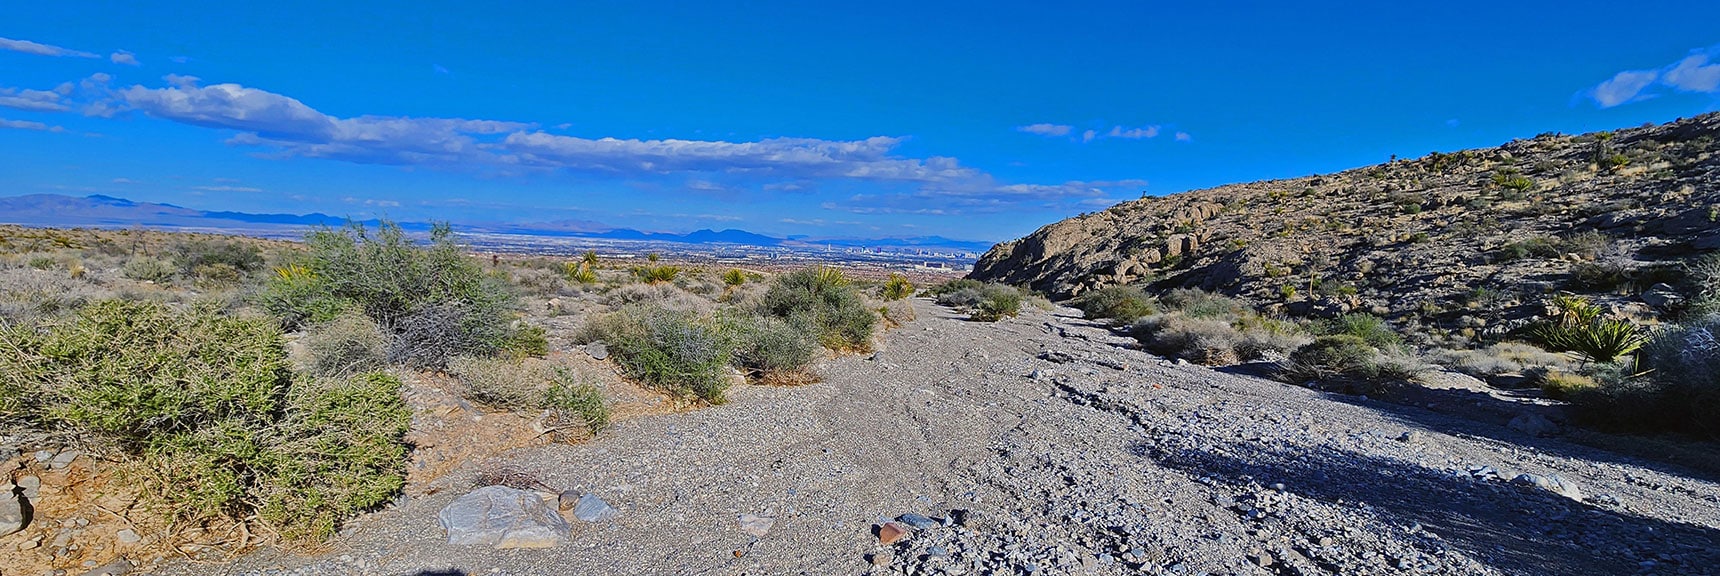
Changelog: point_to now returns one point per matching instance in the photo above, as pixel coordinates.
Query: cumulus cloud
(40, 49)
(126, 58)
(1697, 72)
(1184, 137)
(28, 125)
(1133, 133)
(287, 127)
(1044, 129)
(33, 100)
(1115, 131)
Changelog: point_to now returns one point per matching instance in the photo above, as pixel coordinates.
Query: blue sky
(972, 120)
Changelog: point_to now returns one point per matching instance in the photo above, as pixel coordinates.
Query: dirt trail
(1063, 451)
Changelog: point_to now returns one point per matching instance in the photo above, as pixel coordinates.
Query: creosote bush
(822, 298)
(345, 345)
(1122, 304)
(776, 350)
(982, 301)
(216, 423)
(676, 351)
(434, 300)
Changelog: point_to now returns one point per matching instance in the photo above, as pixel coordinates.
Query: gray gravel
(1044, 445)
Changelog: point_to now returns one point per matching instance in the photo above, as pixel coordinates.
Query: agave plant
(1579, 329)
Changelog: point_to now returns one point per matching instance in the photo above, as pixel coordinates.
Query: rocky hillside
(1468, 240)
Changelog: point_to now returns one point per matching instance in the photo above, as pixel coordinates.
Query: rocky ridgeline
(1414, 239)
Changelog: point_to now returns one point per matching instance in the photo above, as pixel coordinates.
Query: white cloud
(29, 47)
(1133, 133)
(290, 128)
(1623, 87)
(124, 181)
(1044, 129)
(1089, 135)
(126, 58)
(32, 100)
(1693, 73)
(226, 188)
(28, 125)
(1184, 137)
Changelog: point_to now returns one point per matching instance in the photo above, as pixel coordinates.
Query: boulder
(1552, 484)
(1662, 296)
(14, 512)
(503, 517)
(590, 508)
(1533, 424)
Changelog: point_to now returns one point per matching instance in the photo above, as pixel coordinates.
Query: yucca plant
(582, 272)
(828, 277)
(1578, 328)
(734, 277)
(656, 274)
(898, 287)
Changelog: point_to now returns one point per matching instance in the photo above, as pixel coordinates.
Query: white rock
(757, 526)
(503, 517)
(1552, 484)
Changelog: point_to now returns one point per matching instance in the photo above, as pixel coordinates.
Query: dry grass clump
(1205, 328)
(660, 295)
(1501, 358)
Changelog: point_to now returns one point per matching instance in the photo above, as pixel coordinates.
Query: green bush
(1371, 329)
(348, 344)
(206, 408)
(982, 301)
(434, 300)
(676, 351)
(656, 274)
(897, 287)
(772, 346)
(822, 299)
(1579, 329)
(1340, 355)
(1120, 303)
(147, 269)
(1203, 304)
(999, 303)
(1675, 387)
(571, 399)
(217, 254)
(734, 277)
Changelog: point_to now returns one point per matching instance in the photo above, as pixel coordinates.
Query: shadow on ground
(1515, 529)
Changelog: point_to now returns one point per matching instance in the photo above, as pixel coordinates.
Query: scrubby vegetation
(822, 299)
(207, 405)
(1122, 304)
(434, 301)
(983, 302)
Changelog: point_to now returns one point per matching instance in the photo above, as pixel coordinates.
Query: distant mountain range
(109, 212)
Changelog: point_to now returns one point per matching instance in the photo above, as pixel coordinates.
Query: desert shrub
(897, 287)
(821, 298)
(1202, 304)
(1209, 341)
(437, 302)
(734, 277)
(504, 383)
(27, 294)
(539, 281)
(1536, 247)
(570, 399)
(999, 303)
(584, 273)
(676, 351)
(1123, 304)
(346, 345)
(774, 348)
(240, 257)
(210, 416)
(1703, 275)
(897, 313)
(1327, 357)
(1676, 386)
(1501, 358)
(1371, 329)
(1264, 338)
(1579, 329)
(656, 274)
(663, 295)
(148, 269)
(1560, 384)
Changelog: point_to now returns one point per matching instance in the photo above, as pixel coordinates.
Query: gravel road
(1045, 445)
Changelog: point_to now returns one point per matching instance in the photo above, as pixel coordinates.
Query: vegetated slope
(1462, 240)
